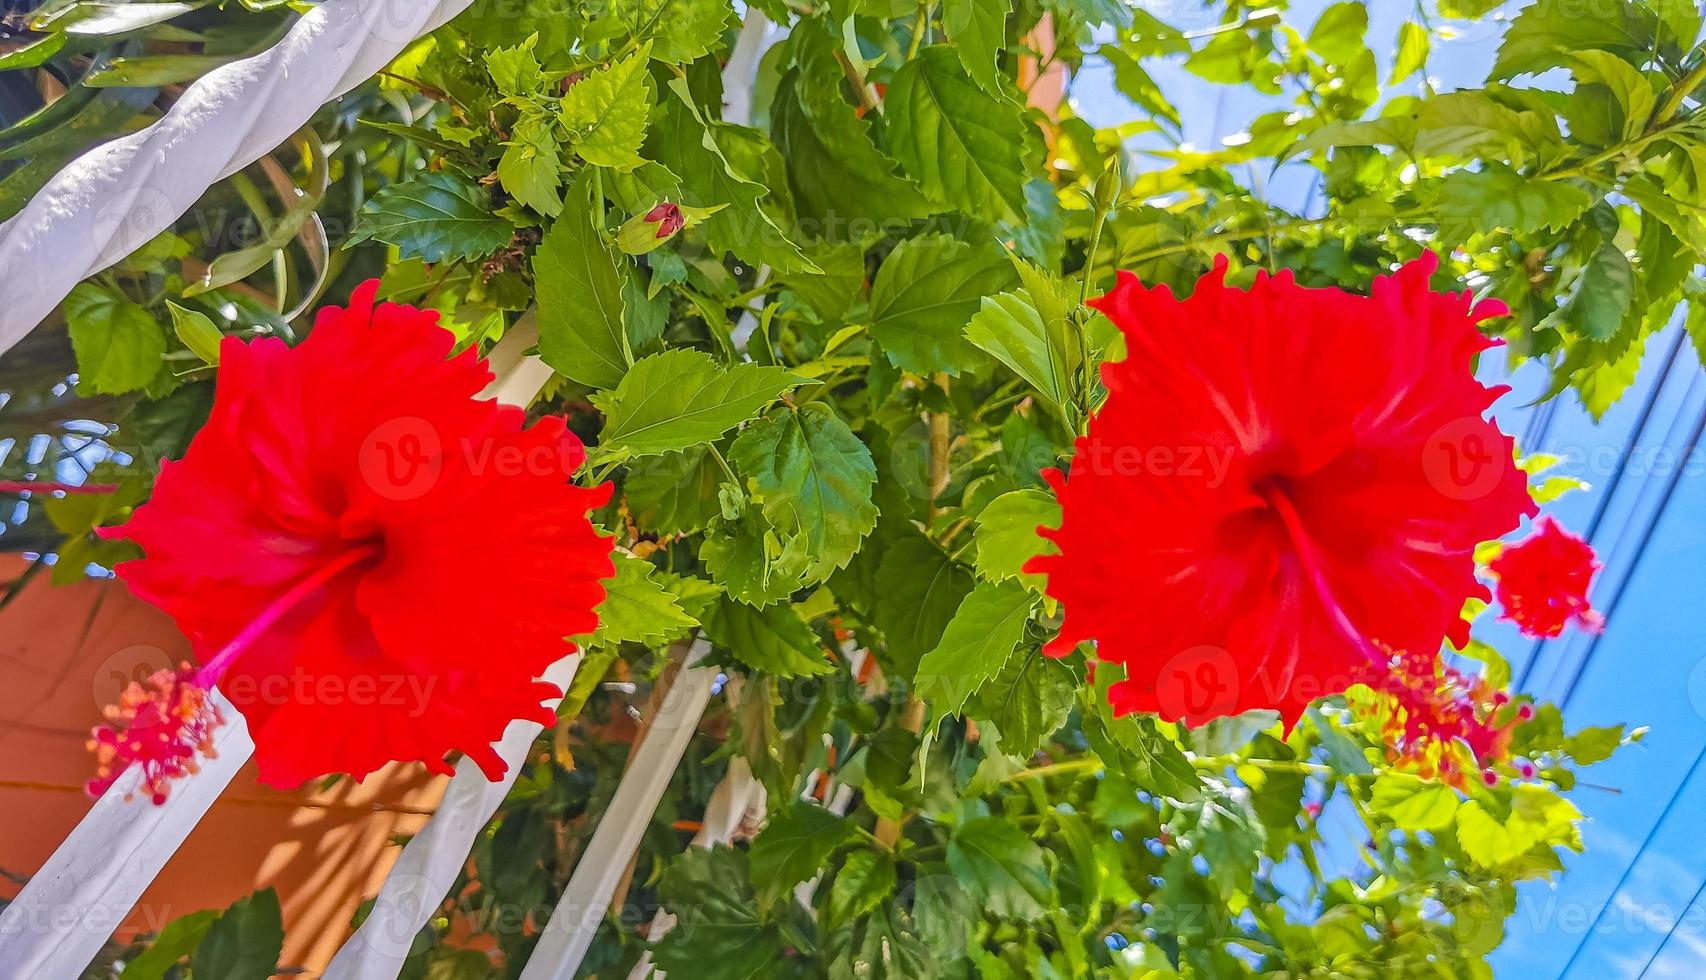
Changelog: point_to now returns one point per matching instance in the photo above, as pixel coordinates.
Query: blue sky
(1632, 906)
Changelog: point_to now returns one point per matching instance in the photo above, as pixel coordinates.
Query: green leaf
(197, 331)
(680, 31)
(1027, 701)
(245, 942)
(978, 29)
(774, 639)
(1136, 84)
(1131, 744)
(924, 294)
(1030, 331)
(180, 937)
(964, 146)
(1338, 33)
(580, 311)
(682, 398)
(1007, 535)
(863, 881)
(840, 180)
(1544, 34)
(721, 933)
(689, 145)
(515, 70)
(1631, 90)
(606, 112)
(1001, 867)
(637, 609)
(793, 846)
(434, 216)
(1413, 49)
(118, 343)
(752, 560)
(531, 168)
(813, 478)
(1412, 803)
(154, 70)
(1473, 202)
(673, 493)
(921, 590)
(978, 642)
(1603, 295)
(1595, 744)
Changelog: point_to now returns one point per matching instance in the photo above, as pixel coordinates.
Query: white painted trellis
(100, 208)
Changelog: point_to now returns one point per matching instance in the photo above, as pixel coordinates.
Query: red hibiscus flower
(1543, 581)
(371, 562)
(1283, 486)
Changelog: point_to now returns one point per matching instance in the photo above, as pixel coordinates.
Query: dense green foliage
(826, 401)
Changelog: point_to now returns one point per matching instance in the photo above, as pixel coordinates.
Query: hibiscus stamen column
(168, 720)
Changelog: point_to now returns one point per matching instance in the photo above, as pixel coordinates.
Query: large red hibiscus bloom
(373, 563)
(1284, 486)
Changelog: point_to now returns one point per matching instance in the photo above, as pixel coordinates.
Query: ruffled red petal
(369, 434)
(1283, 484)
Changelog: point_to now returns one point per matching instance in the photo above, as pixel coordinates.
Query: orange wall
(67, 651)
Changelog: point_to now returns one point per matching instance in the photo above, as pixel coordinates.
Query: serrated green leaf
(863, 881)
(977, 643)
(1136, 84)
(924, 294)
(1543, 35)
(1131, 744)
(531, 168)
(1029, 331)
(606, 112)
(580, 312)
(814, 478)
(1473, 202)
(515, 70)
(673, 493)
(922, 587)
(964, 146)
(1007, 535)
(689, 145)
(1027, 700)
(679, 31)
(978, 29)
(637, 609)
(774, 639)
(682, 398)
(721, 933)
(1412, 803)
(841, 181)
(434, 216)
(118, 344)
(1001, 867)
(793, 846)
(1603, 295)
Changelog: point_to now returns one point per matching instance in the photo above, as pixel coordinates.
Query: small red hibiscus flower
(1282, 484)
(372, 563)
(1543, 581)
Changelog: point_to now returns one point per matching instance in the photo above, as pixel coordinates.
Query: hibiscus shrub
(835, 342)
